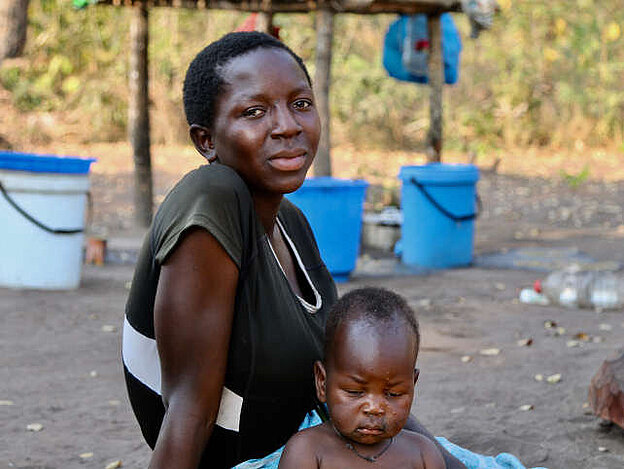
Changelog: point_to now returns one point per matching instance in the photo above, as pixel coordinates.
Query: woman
(226, 313)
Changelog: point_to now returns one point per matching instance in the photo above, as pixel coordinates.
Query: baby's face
(370, 379)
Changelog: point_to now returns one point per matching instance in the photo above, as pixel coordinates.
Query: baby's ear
(416, 374)
(320, 381)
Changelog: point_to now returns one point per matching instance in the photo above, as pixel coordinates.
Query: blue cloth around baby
(468, 458)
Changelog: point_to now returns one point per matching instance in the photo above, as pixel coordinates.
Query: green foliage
(575, 180)
(548, 73)
(75, 62)
(553, 72)
(369, 108)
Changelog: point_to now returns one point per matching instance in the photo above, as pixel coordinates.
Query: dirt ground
(60, 351)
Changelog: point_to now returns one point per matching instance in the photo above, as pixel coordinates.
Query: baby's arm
(299, 452)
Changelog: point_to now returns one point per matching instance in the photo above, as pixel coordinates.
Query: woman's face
(266, 124)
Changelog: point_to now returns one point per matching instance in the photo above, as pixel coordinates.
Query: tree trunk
(138, 116)
(436, 77)
(324, 38)
(13, 26)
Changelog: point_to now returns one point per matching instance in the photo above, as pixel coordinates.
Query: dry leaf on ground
(554, 379)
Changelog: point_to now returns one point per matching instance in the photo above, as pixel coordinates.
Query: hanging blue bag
(406, 49)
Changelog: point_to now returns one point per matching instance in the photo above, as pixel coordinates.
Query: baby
(367, 381)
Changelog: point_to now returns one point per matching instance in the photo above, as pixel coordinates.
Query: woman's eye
(394, 394)
(302, 104)
(253, 112)
(353, 392)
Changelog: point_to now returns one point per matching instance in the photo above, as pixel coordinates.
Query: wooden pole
(436, 77)
(138, 116)
(264, 22)
(324, 39)
(13, 26)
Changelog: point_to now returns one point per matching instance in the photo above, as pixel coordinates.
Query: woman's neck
(266, 208)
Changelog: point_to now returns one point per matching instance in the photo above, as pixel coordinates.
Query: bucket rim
(441, 173)
(43, 163)
(330, 181)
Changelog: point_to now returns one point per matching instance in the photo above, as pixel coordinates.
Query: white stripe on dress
(140, 355)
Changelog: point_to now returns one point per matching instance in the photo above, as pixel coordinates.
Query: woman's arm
(192, 319)
(451, 461)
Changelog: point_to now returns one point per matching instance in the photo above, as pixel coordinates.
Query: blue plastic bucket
(42, 208)
(334, 209)
(439, 203)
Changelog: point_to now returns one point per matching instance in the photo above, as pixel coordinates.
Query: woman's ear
(202, 139)
(320, 380)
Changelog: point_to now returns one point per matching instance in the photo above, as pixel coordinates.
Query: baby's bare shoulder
(430, 454)
(310, 435)
(303, 449)
(415, 438)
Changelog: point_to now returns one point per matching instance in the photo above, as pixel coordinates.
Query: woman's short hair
(204, 79)
(377, 306)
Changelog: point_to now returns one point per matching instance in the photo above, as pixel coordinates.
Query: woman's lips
(288, 162)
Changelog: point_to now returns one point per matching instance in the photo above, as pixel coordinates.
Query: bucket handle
(444, 211)
(32, 219)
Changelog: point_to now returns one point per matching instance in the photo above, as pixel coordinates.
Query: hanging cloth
(480, 13)
(406, 49)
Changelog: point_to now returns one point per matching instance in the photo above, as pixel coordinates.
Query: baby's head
(368, 375)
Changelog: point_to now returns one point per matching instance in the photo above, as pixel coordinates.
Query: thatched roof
(302, 6)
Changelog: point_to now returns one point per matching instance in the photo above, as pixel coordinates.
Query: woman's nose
(285, 123)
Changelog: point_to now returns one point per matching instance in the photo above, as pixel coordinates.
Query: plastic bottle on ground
(576, 288)
(607, 291)
(532, 297)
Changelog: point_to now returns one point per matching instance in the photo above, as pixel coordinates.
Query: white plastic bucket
(42, 208)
